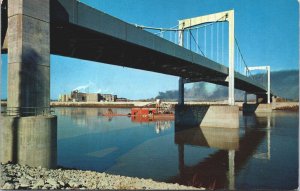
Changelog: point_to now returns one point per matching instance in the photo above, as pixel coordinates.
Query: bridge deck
(80, 31)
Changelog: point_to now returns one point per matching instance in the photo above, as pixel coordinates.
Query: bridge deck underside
(74, 41)
(80, 31)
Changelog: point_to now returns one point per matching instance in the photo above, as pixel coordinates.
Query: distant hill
(284, 84)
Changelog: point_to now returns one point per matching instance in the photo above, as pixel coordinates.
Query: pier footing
(223, 116)
(29, 141)
(257, 108)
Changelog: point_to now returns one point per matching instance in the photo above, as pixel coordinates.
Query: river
(261, 154)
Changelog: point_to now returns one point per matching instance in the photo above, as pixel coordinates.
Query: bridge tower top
(216, 17)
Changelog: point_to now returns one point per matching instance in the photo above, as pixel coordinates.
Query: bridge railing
(27, 111)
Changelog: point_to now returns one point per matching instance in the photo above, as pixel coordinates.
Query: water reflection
(89, 117)
(214, 158)
(161, 126)
(218, 170)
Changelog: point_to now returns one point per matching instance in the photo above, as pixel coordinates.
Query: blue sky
(267, 31)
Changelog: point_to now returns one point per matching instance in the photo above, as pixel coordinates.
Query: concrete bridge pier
(28, 130)
(225, 116)
(263, 104)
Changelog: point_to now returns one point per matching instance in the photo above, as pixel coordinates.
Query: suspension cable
(196, 43)
(242, 57)
(175, 28)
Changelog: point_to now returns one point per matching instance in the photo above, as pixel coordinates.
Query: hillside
(284, 84)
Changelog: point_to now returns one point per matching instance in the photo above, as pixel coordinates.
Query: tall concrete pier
(28, 54)
(30, 129)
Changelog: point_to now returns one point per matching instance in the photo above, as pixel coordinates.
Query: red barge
(150, 112)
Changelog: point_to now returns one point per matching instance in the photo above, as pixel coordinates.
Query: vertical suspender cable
(190, 39)
(197, 39)
(236, 59)
(222, 50)
(211, 41)
(241, 61)
(217, 41)
(205, 40)
(187, 40)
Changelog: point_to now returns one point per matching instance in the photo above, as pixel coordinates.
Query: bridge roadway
(83, 32)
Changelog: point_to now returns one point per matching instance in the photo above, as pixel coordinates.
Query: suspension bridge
(198, 49)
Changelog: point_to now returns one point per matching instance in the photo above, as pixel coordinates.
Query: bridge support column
(245, 97)
(207, 116)
(29, 141)
(181, 91)
(261, 105)
(30, 128)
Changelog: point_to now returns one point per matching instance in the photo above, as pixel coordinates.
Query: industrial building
(77, 96)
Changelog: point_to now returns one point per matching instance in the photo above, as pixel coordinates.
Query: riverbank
(14, 176)
(286, 106)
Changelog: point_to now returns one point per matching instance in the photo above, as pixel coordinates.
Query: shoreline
(14, 176)
(282, 106)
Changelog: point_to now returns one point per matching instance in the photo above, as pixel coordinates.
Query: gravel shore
(13, 176)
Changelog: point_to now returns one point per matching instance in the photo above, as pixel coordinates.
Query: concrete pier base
(223, 116)
(213, 137)
(257, 108)
(29, 141)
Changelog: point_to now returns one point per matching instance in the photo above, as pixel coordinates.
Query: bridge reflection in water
(219, 170)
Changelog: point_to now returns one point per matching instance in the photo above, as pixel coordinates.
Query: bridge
(32, 30)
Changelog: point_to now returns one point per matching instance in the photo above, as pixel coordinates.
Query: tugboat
(152, 112)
